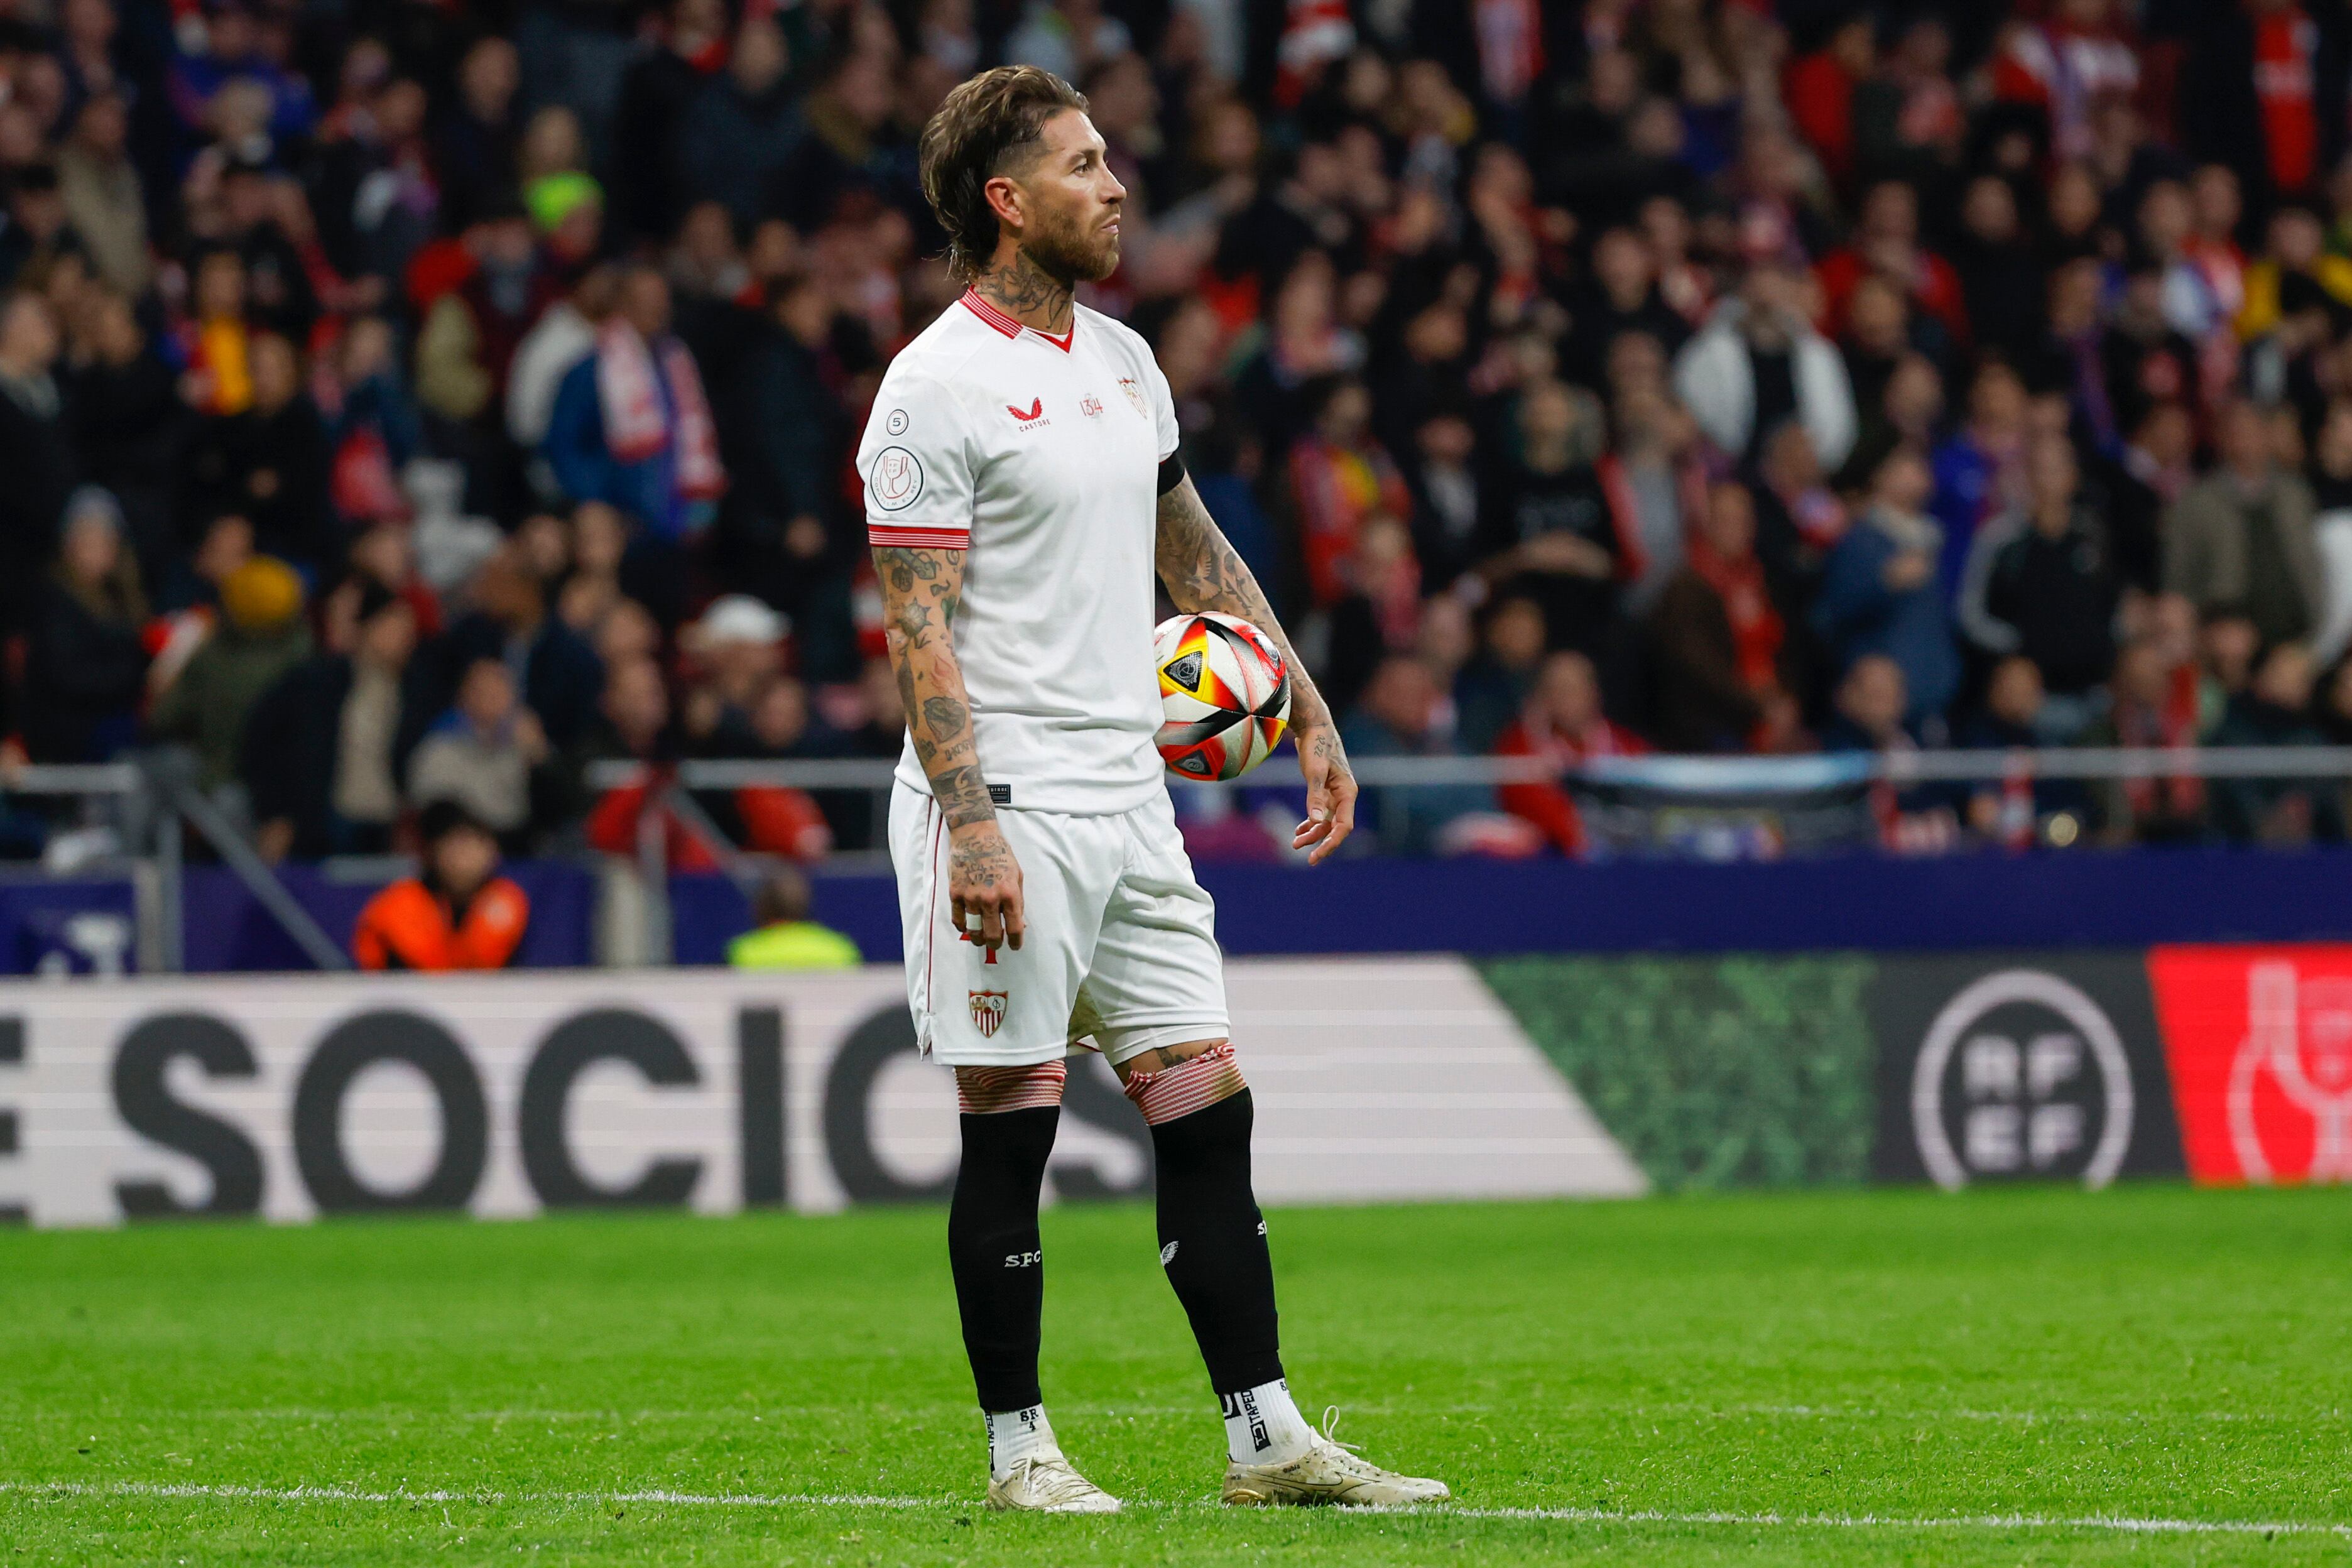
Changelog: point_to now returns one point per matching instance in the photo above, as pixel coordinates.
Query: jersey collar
(1005, 324)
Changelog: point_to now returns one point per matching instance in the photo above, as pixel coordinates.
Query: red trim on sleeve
(919, 538)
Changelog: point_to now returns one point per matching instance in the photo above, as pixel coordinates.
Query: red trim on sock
(1188, 1086)
(990, 1091)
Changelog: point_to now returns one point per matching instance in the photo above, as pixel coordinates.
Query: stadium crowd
(405, 401)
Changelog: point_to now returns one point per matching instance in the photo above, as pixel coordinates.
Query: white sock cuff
(1017, 1434)
(1263, 1426)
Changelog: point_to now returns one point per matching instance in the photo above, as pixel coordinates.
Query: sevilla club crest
(987, 1012)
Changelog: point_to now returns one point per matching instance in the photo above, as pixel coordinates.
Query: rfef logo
(2259, 1042)
(2022, 1075)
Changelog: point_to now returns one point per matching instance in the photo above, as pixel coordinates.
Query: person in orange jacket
(460, 914)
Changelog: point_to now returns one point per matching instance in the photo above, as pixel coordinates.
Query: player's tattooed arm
(920, 589)
(920, 592)
(1203, 571)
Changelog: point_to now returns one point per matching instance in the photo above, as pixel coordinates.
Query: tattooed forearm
(962, 795)
(1018, 286)
(920, 589)
(1202, 571)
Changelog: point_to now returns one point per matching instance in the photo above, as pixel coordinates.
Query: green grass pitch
(2144, 1375)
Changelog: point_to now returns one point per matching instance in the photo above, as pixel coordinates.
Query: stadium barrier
(1401, 1078)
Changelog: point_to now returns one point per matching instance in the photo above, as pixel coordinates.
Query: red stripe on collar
(991, 314)
(1012, 329)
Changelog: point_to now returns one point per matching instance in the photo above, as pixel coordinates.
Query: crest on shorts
(987, 1012)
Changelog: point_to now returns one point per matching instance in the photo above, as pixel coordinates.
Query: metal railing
(1696, 774)
(155, 801)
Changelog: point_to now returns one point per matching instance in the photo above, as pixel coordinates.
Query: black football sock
(1213, 1242)
(995, 1251)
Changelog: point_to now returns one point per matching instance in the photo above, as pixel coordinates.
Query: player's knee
(1201, 1074)
(1160, 1058)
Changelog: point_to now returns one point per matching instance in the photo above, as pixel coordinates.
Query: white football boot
(1330, 1472)
(1048, 1485)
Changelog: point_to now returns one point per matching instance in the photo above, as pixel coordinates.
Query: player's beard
(1069, 253)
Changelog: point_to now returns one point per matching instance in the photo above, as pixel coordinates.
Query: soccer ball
(1224, 695)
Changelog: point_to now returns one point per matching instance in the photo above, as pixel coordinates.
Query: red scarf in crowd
(2172, 727)
(1756, 628)
(639, 421)
(2286, 43)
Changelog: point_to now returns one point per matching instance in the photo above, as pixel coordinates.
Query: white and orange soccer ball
(1224, 695)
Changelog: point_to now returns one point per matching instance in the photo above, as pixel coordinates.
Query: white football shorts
(1120, 949)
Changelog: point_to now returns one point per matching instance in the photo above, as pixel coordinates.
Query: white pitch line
(2120, 1524)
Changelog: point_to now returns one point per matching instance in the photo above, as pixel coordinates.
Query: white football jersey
(1039, 457)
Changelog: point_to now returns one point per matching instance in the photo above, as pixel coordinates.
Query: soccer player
(1022, 486)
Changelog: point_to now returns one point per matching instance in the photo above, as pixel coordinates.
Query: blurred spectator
(630, 427)
(2009, 812)
(1980, 473)
(688, 48)
(1340, 475)
(1872, 701)
(2040, 584)
(782, 435)
(1489, 689)
(1879, 592)
(1554, 537)
(471, 335)
(126, 420)
(1759, 363)
(1403, 713)
(738, 645)
(99, 188)
(1886, 245)
(261, 636)
(1719, 643)
(457, 913)
(474, 136)
(85, 665)
(1562, 724)
(2155, 707)
(1381, 613)
(2243, 536)
(34, 451)
(782, 936)
(2000, 278)
(2141, 487)
(482, 752)
(2275, 710)
(269, 461)
(742, 123)
(558, 675)
(326, 747)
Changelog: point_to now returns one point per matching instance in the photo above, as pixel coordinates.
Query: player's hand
(984, 887)
(1331, 794)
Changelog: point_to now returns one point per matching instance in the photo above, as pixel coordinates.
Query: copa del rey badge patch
(987, 1012)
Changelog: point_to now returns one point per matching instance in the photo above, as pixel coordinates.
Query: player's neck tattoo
(1025, 291)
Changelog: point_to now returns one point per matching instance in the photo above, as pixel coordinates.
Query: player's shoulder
(1117, 336)
(933, 362)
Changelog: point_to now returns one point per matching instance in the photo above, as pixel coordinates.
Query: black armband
(1172, 471)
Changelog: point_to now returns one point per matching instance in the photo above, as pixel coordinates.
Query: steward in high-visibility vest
(785, 937)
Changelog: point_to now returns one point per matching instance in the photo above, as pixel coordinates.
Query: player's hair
(978, 131)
